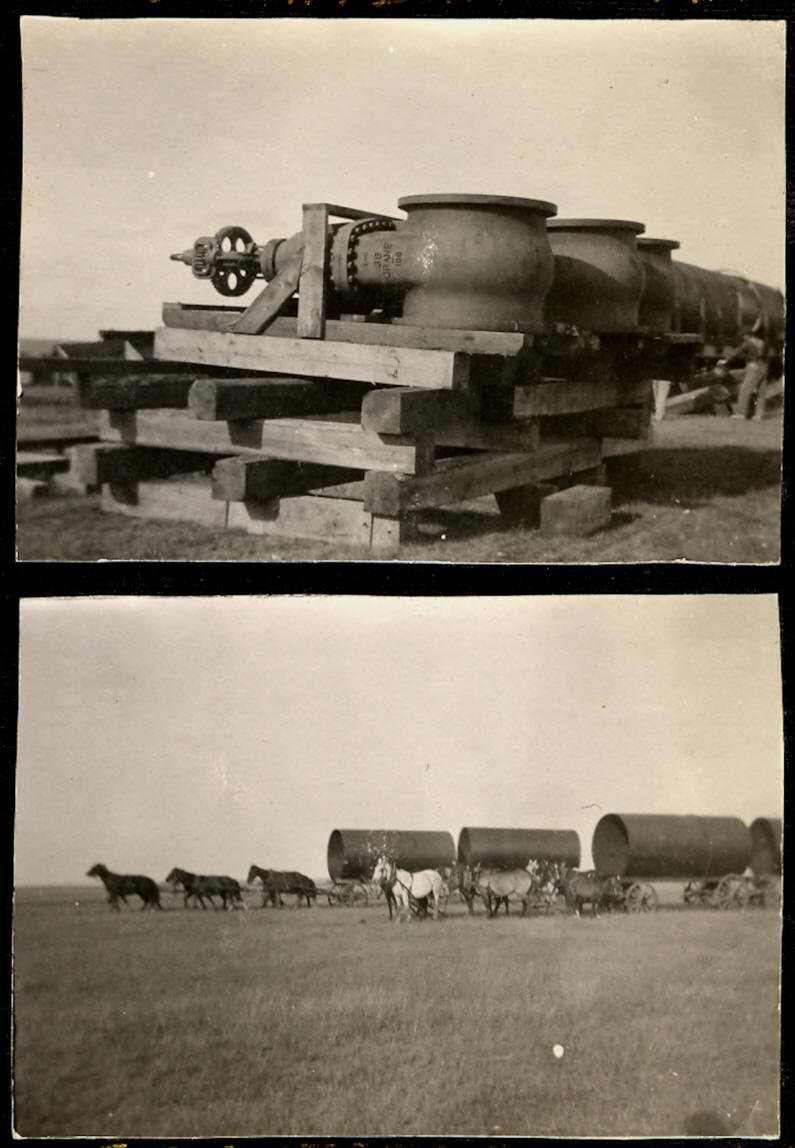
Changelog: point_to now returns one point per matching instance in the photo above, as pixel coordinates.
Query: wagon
(707, 851)
(734, 891)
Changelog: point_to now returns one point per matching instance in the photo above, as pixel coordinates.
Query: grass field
(708, 491)
(336, 1022)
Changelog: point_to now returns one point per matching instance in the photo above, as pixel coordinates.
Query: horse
(500, 884)
(462, 880)
(405, 886)
(275, 882)
(588, 888)
(200, 887)
(119, 886)
(387, 888)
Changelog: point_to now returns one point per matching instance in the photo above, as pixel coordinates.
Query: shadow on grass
(692, 476)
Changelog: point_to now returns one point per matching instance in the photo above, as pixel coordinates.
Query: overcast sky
(216, 733)
(140, 135)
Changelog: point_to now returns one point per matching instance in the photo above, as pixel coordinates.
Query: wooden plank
(100, 463)
(108, 367)
(311, 321)
(451, 418)
(351, 212)
(261, 313)
(242, 479)
(458, 479)
(395, 366)
(273, 397)
(332, 440)
(38, 439)
(136, 394)
(32, 464)
(183, 500)
(566, 397)
(613, 422)
(614, 447)
(322, 519)
(503, 343)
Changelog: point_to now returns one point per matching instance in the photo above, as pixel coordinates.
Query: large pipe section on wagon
(352, 853)
(491, 262)
(662, 846)
(766, 846)
(513, 848)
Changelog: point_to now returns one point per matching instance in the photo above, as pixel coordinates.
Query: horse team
(201, 889)
(538, 885)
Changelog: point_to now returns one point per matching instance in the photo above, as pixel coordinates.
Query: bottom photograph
(371, 866)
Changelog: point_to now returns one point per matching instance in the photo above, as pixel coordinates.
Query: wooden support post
(274, 397)
(577, 511)
(318, 358)
(136, 393)
(260, 314)
(456, 479)
(104, 463)
(314, 273)
(244, 479)
(522, 504)
(335, 440)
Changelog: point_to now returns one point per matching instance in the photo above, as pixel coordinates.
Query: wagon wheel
(730, 892)
(641, 898)
(335, 895)
(357, 894)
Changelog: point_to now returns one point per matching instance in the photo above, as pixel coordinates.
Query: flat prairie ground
(709, 490)
(337, 1022)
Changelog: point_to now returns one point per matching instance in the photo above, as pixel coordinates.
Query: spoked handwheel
(641, 897)
(730, 892)
(236, 269)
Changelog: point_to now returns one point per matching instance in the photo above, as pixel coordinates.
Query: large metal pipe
(352, 853)
(598, 274)
(513, 848)
(719, 307)
(766, 846)
(669, 846)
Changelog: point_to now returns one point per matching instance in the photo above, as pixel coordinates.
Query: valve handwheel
(235, 262)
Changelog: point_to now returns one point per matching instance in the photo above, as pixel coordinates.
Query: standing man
(753, 352)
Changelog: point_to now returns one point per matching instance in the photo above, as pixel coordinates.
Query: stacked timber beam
(346, 438)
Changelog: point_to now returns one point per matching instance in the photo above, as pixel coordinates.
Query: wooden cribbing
(105, 463)
(319, 358)
(150, 392)
(335, 440)
(451, 418)
(457, 479)
(273, 397)
(242, 479)
(504, 343)
(613, 422)
(564, 397)
(260, 314)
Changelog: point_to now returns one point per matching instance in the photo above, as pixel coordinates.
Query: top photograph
(401, 290)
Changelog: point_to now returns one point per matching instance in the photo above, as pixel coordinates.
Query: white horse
(405, 885)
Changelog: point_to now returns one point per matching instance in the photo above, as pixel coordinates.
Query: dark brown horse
(276, 882)
(589, 889)
(200, 887)
(120, 886)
